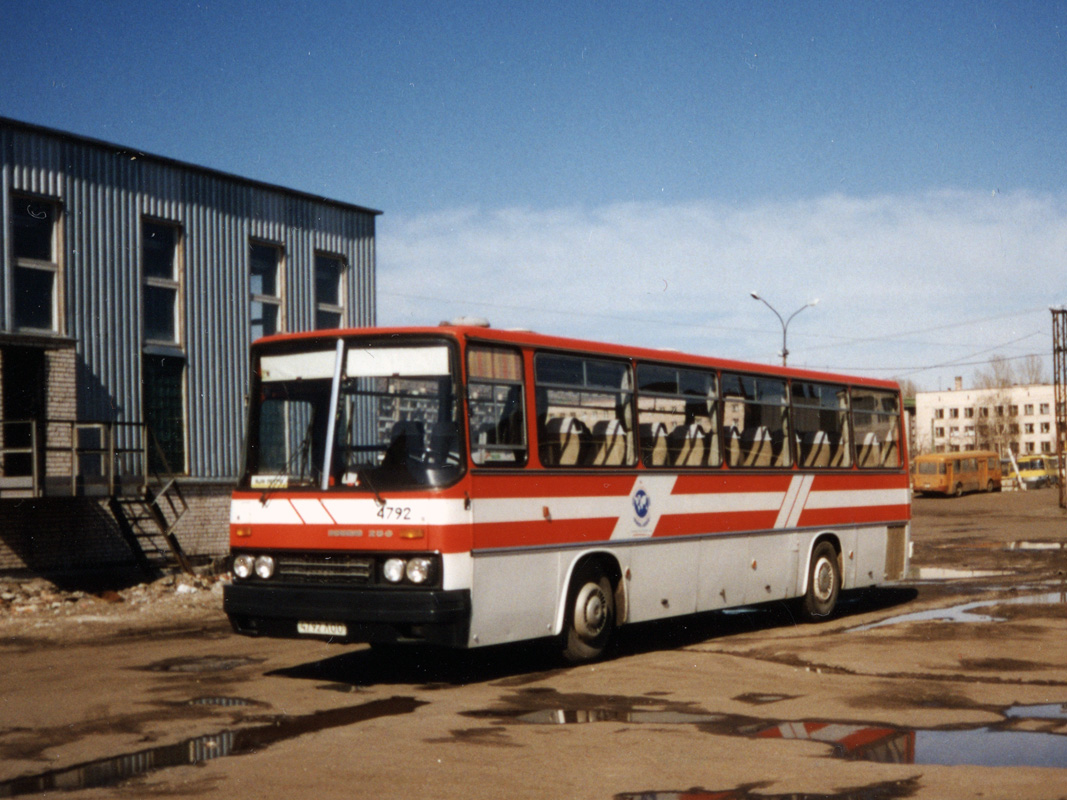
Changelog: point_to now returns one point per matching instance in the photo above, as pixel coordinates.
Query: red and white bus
(466, 486)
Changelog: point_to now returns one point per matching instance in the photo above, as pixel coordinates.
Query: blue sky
(625, 171)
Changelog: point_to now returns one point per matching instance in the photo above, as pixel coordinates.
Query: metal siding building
(107, 291)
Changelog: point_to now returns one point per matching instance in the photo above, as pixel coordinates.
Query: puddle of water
(759, 699)
(965, 611)
(980, 747)
(559, 716)
(991, 746)
(114, 770)
(879, 791)
(1040, 711)
(203, 663)
(224, 702)
(1037, 545)
(949, 574)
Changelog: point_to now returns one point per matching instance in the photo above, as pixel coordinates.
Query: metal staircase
(147, 522)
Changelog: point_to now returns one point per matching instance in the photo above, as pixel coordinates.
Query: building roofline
(123, 150)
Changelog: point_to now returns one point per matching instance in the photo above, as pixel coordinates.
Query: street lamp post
(785, 322)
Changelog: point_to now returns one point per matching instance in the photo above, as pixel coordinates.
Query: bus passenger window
(495, 402)
(755, 421)
(677, 417)
(820, 425)
(875, 422)
(584, 415)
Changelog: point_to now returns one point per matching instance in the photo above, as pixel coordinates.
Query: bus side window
(495, 405)
(875, 423)
(820, 425)
(756, 421)
(677, 416)
(584, 415)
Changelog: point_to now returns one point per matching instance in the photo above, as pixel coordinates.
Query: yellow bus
(956, 473)
(1038, 471)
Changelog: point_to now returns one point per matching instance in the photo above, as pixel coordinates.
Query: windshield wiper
(301, 455)
(363, 474)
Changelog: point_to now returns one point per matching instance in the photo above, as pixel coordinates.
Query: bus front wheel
(824, 582)
(590, 620)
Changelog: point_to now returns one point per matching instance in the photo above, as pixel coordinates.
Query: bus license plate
(322, 628)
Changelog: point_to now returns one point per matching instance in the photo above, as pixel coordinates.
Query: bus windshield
(931, 467)
(391, 412)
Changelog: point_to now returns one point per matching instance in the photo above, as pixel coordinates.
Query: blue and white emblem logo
(642, 502)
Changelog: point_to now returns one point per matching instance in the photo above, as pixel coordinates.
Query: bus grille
(317, 569)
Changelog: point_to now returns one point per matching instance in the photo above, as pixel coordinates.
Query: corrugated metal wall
(105, 193)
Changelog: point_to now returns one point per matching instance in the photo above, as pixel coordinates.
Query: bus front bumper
(433, 616)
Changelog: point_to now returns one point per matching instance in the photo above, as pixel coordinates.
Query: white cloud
(891, 272)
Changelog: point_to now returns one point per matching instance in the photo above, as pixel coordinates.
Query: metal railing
(80, 457)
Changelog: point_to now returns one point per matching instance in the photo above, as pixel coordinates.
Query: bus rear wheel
(590, 620)
(824, 583)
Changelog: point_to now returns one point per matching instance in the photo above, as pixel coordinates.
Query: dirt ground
(951, 686)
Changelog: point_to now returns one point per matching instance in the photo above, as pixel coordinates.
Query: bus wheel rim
(591, 611)
(823, 579)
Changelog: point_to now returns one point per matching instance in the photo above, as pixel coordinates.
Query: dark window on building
(34, 232)
(162, 289)
(329, 308)
(164, 411)
(265, 285)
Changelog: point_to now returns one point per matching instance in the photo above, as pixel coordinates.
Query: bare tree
(996, 428)
(1031, 370)
(908, 387)
(998, 375)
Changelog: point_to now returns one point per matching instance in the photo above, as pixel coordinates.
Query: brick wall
(61, 403)
(79, 534)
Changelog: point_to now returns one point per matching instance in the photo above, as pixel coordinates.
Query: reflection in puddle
(558, 716)
(762, 698)
(223, 702)
(203, 664)
(984, 746)
(947, 574)
(879, 791)
(110, 771)
(965, 611)
(1037, 545)
(1041, 711)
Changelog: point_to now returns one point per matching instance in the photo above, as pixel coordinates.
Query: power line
(839, 339)
(904, 371)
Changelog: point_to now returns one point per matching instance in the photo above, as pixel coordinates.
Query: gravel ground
(37, 608)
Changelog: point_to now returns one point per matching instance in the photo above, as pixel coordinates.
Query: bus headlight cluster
(245, 566)
(416, 570)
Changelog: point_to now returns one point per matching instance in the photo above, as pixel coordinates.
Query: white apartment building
(1019, 418)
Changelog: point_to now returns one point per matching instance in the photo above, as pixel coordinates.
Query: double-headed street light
(785, 322)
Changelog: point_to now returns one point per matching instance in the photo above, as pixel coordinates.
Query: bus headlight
(393, 570)
(418, 570)
(243, 566)
(264, 566)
